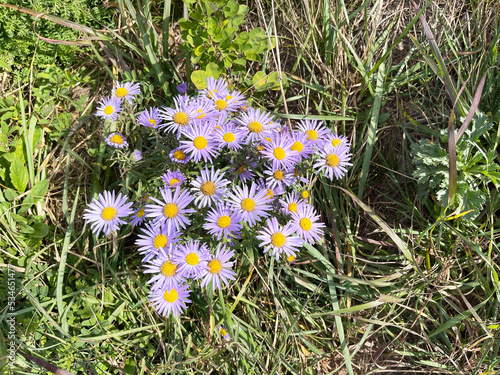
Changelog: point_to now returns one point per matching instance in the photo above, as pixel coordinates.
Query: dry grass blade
(46, 365)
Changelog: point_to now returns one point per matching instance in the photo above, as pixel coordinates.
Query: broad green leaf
(199, 79)
(19, 175)
(212, 70)
(36, 193)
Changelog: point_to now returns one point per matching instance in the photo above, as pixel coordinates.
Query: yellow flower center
(152, 122)
(160, 241)
(297, 146)
(200, 143)
(109, 110)
(224, 221)
(192, 259)
(278, 239)
(179, 155)
(201, 114)
(332, 160)
(279, 153)
(208, 188)
(181, 118)
(214, 266)
(170, 210)
(305, 194)
(312, 134)
(241, 169)
(121, 92)
(171, 296)
(229, 137)
(223, 332)
(248, 204)
(168, 269)
(305, 223)
(117, 139)
(255, 127)
(269, 194)
(220, 104)
(279, 175)
(173, 181)
(109, 213)
(291, 258)
(141, 212)
(336, 142)
(292, 207)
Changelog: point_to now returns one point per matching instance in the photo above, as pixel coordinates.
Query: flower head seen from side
(219, 268)
(173, 179)
(172, 300)
(155, 238)
(259, 124)
(279, 239)
(209, 187)
(127, 90)
(251, 204)
(179, 156)
(116, 140)
(109, 108)
(306, 223)
(182, 88)
(223, 332)
(230, 102)
(242, 169)
(137, 155)
(201, 144)
(316, 132)
(333, 161)
(301, 144)
(191, 259)
(138, 217)
(179, 118)
(166, 272)
(172, 210)
(279, 152)
(104, 213)
(272, 192)
(150, 118)
(215, 87)
(203, 109)
(223, 221)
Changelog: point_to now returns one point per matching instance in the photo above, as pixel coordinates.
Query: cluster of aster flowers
(236, 169)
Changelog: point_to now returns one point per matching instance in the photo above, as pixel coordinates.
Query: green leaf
(199, 79)
(10, 194)
(19, 175)
(34, 195)
(212, 70)
(259, 81)
(231, 9)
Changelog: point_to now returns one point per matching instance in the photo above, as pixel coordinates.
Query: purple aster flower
(223, 221)
(104, 212)
(150, 118)
(279, 152)
(271, 192)
(170, 301)
(137, 155)
(281, 178)
(173, 179)
(290, 203)
(182, 88)
(126, 90)
(179, 156)
(251, 204)
(301, 144)
(337, 140)
(204, 109)
(116, 140)
(215, 87)
(201, 144)
(166, 272)
(333, 161)
(191, 259)
(279, 239)
(223, 332)
(209, 187)
(179, 118)
(138, 217)
(259, 124)
(155, 238)
(172, 210)
(109, 108)
(230, 135)
(242, 169)
(306, 223)
(230, 102)
(316, 132)
(218, 268)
